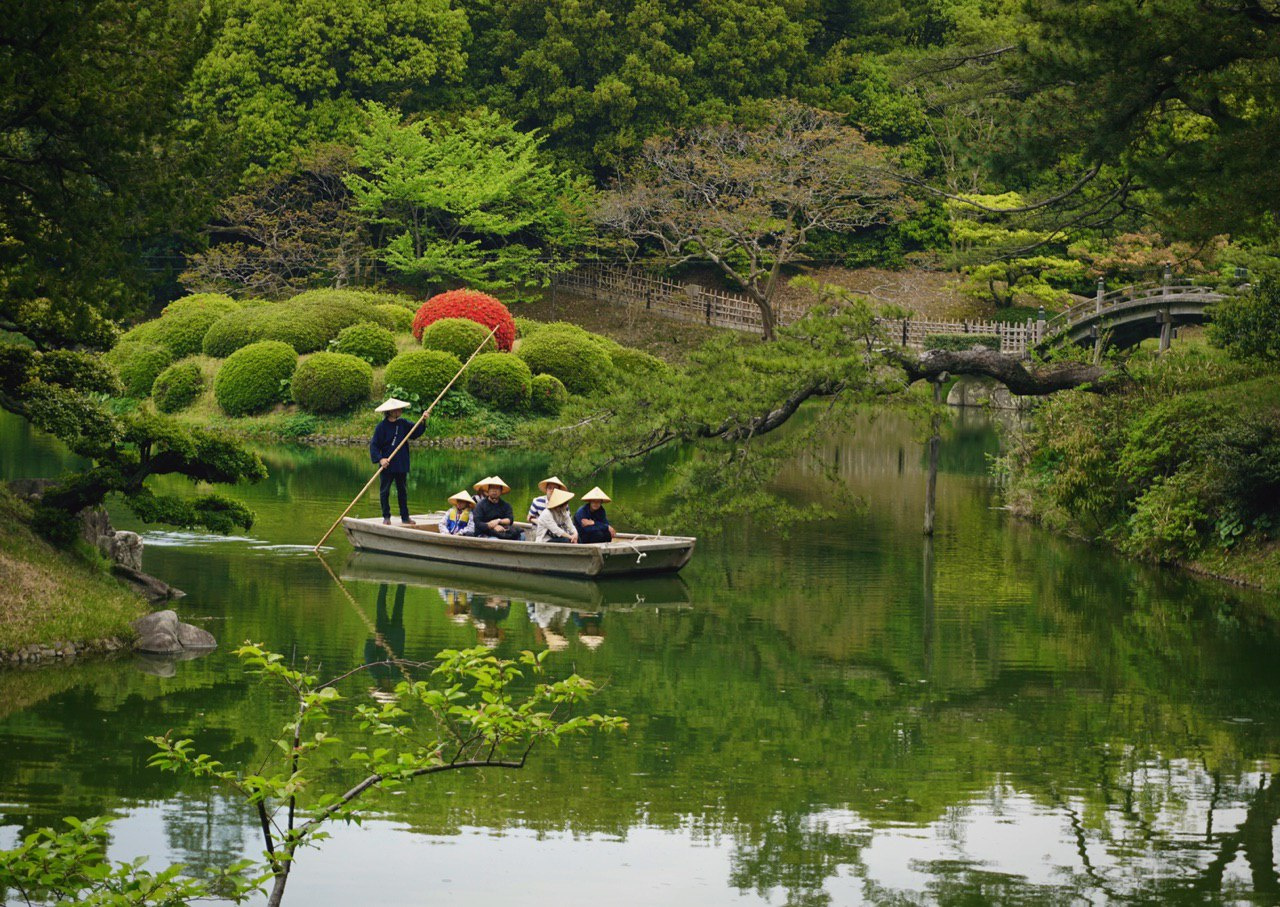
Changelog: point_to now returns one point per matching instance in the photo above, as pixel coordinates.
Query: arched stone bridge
(1129, 315)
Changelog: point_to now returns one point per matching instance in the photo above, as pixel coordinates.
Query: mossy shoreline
(56, 605)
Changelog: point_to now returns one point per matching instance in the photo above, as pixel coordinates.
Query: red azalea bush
(473, 305)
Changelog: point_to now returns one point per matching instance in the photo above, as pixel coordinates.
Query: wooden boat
(621, 594)
(626, 555)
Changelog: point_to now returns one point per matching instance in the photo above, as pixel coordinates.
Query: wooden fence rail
(691, 302)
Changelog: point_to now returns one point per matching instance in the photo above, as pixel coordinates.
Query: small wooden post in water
(421, 419)
(931, 493)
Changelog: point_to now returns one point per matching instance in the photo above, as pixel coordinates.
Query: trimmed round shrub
(580, 364)
(304, 330)
(500, 379)
(629, 363)
(254, 378)
(331, 382)
(139, 333)
(211, 302)
(368, 341)
(177, 387)
(182, 332)
(459, 336)
(138, 364)
(421, 374)
(547, 395)
(395, 318)
(527, 327)
(473, 305)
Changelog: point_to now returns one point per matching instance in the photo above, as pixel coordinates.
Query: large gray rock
(125, 548)
(161, 633)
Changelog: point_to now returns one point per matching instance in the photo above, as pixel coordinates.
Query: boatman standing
(386, 438)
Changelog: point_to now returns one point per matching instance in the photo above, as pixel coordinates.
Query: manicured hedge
(370, 342)
(470, 304)
(177, 387)
(607, 344)
(204, 302)
(630, 364)
(182, 332)
(138, 363)
(304, 330)
(961, 342)
(547, 395)
(395, 318)
(527, 327)
(500, 379)
(580, 364)
(253, 378)
(331, 382)
(459, 336)
(420, 374)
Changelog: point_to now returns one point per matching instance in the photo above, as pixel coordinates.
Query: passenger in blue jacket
(386, 437)
(590, 519)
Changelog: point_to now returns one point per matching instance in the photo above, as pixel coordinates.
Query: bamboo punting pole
(421, 419)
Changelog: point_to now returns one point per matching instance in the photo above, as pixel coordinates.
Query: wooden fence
(691, 302)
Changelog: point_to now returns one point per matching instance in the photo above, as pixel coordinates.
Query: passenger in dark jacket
(494, 517)
(395, 470)
(590, 519)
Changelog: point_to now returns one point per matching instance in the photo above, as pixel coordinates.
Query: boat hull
(628, 555)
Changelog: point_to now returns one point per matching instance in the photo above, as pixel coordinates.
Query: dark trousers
(511, 533)
(402, 493)
(592, 535)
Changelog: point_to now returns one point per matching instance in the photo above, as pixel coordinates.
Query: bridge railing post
(1167, 280)
(1102, 291)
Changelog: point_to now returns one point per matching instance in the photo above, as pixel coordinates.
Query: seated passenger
(460, 518)
(493, 516)
(538, 504)
(591, 520)
(553, 523)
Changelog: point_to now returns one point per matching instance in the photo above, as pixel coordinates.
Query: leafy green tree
(599, 77)
(1007, 263)
(475, 711)
(1248, 326)
(94, 164)
(750, 199)
(1182, 93)
(285, 76)
(469, 201)
(292, 230)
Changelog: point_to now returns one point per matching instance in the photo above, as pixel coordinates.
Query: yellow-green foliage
(459, 336)
(395, 318)
(547, 395)
(255, 377)
(331, 382)
(177, 387)
(500, 379)
(138, 363)
(419, 375)
(370, 342)
(573, 356)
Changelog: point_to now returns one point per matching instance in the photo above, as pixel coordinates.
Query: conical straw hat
(483, 484)
(596, 494)
(463, 498)
(392, 403)
(559, 497)
(554, 480)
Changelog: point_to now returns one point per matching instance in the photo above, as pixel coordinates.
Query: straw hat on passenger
(462, 499)
(392, 403)
(483, 483)
(559, 497)
(554, 480)
(493, 480)
(596, 494)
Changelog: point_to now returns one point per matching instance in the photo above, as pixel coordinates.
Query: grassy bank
(51, 595)
(1183, 468)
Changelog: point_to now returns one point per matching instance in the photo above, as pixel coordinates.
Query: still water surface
(847, 715)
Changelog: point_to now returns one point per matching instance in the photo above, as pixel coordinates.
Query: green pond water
(847, 715)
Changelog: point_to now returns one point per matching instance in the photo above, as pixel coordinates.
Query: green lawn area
(53, 595)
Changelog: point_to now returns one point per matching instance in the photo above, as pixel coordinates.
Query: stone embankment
(61, 651)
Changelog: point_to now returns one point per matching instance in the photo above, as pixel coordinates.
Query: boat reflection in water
(557, 606)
